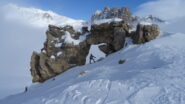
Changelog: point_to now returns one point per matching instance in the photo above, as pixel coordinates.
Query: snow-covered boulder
(64, 48)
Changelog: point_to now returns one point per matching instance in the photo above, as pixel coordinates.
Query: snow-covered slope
(38, 17)
(152, 74)
(22, 31)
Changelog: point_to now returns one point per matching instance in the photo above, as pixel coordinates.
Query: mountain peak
(110, 13)
(37, 17)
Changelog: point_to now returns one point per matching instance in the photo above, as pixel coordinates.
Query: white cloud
(17, 41)
(165, 9)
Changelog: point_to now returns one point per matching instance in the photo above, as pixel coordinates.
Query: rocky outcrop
(124, 14)
(111, 34)
(62, 50)
(109, 13)
(145, 33)
(65, 48)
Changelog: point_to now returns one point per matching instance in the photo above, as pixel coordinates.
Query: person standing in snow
(26, 89)
(92, 58)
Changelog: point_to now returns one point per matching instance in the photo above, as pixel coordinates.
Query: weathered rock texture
(145, 33)
(111, 34)
(65, 48)
(57, 55)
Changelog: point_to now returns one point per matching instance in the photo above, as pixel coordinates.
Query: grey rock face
(58, 55)
(145, 33)
(112, 34)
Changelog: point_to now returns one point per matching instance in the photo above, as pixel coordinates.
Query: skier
(26, 89)
(92, 58)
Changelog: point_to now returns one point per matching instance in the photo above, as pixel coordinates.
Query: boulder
(112, 34)
(145, 33)
(122, 61)
(59, 53)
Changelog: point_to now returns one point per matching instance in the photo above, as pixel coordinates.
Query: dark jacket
(92, 57)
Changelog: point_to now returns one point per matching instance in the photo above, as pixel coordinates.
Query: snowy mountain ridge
(38, 17)
(116, 14)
